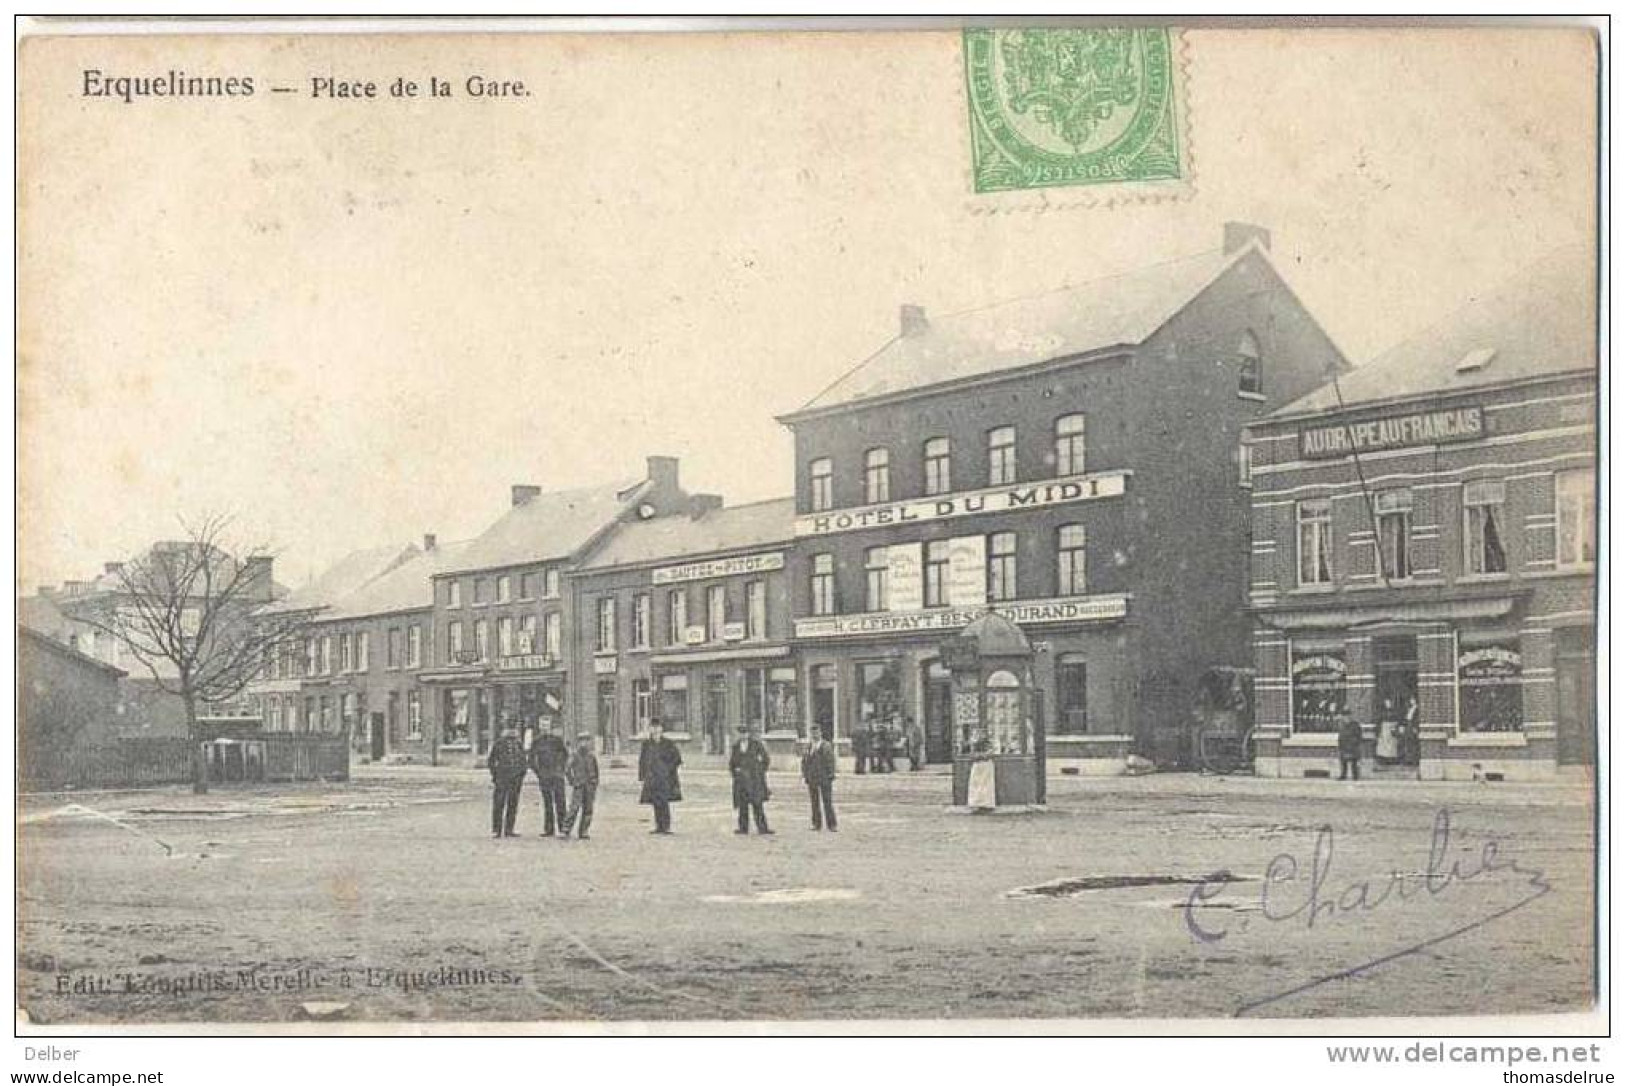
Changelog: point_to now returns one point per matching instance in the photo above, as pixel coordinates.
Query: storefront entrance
(1576, 698)
(715, 711)
(938, 711)
(823, 700)
(1395, 708)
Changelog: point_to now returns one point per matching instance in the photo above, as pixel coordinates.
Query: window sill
(1326, 740)
(1483, 578)
(1488, 739)
(1254, 397)
(1314, 589)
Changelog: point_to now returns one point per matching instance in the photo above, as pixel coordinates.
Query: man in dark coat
(884, 745)
(548, 757)
(818, 770)
(657, 769)
(915, 736)
(582, 773)
(860, 748)
(1349, 738)
(747, 764)
(507, 764)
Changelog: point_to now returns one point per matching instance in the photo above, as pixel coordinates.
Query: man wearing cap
(1349, 738)
(748, 764)
(582, 773)
(548, 757)
(507, 765)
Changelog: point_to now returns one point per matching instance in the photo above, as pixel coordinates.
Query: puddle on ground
(789, 896)
(1084, 884)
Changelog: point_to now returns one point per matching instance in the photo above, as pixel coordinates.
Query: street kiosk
(997, 716)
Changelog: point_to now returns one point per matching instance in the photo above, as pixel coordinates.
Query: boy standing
(582, 773)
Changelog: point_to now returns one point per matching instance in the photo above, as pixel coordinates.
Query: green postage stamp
(1075, 106)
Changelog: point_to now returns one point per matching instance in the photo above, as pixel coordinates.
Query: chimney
(522, 493)
(259, 570)
(1238, 234)
(428, 541)
(662, 470)
(911, 321)
(701, 504)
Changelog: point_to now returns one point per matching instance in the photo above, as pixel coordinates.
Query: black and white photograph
(945, 527)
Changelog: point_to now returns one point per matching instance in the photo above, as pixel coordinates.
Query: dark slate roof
(407, 587)
(737, 528)
(550, 525)
(1538, 323)
(1117, 310)
(345, 576)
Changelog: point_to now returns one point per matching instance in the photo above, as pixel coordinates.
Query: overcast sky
(351, 323)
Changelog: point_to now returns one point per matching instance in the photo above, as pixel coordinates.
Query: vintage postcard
(998, 527)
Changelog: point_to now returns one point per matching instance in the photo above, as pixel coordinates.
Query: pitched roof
(717, 531)
(1116, 310)
(550, 525)
(64, 649)
(1540, 322)
(345, 576)
(406, 587)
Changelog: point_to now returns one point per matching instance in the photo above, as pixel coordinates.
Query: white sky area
(350, 323)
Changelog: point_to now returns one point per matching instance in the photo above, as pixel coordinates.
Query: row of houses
(1156, 475)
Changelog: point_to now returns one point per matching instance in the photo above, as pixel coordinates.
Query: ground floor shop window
(674, 702)
(1319, 690)
(1489, 681)
(459, 717)
(783, 701)
(1071, 696)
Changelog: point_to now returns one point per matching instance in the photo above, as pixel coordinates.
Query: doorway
(938, 713)
(715, 710)
(377, 737)
(823, 700)
(1576, 697)
(1398, 740)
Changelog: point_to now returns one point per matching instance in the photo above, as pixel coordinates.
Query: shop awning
(759, 652)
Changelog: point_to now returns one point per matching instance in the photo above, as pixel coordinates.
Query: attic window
(1475, 360)
(1250, 381)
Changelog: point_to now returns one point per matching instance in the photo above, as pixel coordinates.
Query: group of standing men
(874, 746)
(557, 767)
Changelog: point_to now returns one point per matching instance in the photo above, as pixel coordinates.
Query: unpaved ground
(388, 896)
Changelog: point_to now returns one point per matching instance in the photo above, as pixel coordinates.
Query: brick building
(68, 705)
(365, 653)
(1424, 549)
(500, 612)
(279, 691)
(686, 620)
(1069, 460)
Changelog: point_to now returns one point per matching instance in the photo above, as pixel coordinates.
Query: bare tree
(194, 616)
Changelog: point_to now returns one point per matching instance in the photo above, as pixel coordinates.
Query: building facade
(685, 620)
(501, 616)
(1070, 461)
(1424, 550)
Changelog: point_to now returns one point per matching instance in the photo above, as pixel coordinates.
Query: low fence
(151, 762)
